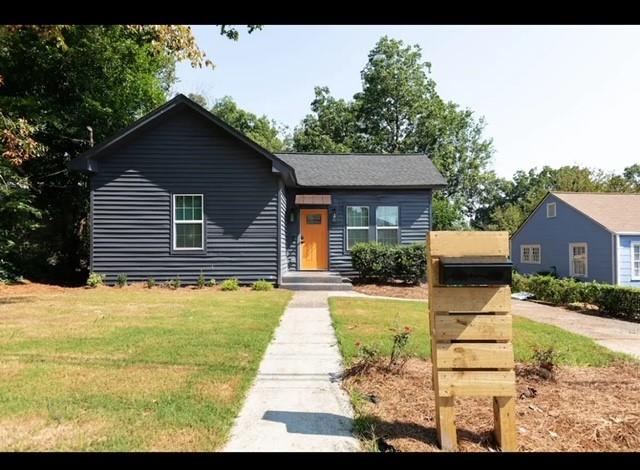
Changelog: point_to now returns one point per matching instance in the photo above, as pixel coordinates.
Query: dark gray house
(180, 193)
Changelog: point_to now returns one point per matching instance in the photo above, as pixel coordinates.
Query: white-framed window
(551, 210)
(530, 254)
(188, 222)
(635, 261)
(387, 225)
(357, 225)
(578, 260)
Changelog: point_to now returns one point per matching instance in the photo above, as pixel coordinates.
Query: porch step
(316, 285)
(314, 280)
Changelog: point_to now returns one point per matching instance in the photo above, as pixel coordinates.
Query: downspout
(617, 259)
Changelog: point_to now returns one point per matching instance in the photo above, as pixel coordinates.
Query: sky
(550, 95)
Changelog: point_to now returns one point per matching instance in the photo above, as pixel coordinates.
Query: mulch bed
(400, 290)
(581, 409)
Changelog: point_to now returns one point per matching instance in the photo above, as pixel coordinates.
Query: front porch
(315, 280)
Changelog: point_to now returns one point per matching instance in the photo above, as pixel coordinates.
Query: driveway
(617, 335)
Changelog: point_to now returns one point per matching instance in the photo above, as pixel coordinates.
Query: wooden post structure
(471, 330)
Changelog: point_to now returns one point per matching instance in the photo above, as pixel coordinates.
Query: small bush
(383, 263)
(230, 284)
(121, 280)
(95, 280)
(151, 282)
(399, 357)
(546, 360)
(201, 281)
(174, 283)
(212, 282)
(262, 285)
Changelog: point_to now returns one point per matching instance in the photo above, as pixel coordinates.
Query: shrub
(151, 282)
(121, 280)
(230, 284)
(615, 300)
(174, 283)
(262, 285)
(212, 282)
(201, 281)
(95, 280)
(399, 357)
(383, 263)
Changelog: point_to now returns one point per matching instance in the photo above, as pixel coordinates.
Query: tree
(259, 128)
(399, 110)
(197, 98)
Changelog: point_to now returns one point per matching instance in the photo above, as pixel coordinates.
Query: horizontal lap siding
(415, 223)
(624, 259)
(184, 154)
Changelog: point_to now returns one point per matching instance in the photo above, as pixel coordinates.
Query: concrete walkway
(296, 402)
(617, 335)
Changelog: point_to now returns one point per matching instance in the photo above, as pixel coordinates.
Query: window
(387, 225)
(314, 219)
(551, 210)
(578, 259)
(635, 261)
(530, 254)
(188, 222)
(357, 225)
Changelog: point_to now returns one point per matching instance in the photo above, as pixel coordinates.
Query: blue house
(180, 193)
(588, 236)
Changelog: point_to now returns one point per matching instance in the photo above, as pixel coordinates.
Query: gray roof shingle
(363, 170)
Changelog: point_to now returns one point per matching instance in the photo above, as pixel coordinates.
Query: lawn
(128, 369)
(371, 323)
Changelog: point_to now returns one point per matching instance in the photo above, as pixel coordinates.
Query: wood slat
(477, 383)
(446, 243)
(471, 299)
(475, 356)
(472, 327)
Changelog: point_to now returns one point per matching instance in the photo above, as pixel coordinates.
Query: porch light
(333, 214)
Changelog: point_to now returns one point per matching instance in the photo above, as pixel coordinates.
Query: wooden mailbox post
(471, 347)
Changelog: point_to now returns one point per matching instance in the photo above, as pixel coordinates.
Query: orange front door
(314, 231)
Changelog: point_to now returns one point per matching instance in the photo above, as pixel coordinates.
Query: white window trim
(174, 222)
(549, 205)
(522, 247)
(633, 245)
(347, 227)
(389, 227)
(586, 259)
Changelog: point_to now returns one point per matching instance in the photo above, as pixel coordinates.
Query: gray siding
(624, 259)
(183, 153)
(554, 236)
(415, 221)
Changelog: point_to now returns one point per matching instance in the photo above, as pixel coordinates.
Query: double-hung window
(357, 225)
(635, 261)
(530, 254)
(387, 225)
(578, 259)
(188, 222)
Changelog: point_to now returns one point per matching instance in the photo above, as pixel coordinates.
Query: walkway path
(296, 402)
(617, 335)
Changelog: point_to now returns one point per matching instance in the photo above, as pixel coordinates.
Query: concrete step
(316, 285)
(298, 278)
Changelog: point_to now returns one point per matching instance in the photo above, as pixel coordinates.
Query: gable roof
(361, 170)
(83, 162)
(617, 212)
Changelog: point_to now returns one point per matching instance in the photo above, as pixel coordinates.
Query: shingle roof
(617, 212)
(363, 170)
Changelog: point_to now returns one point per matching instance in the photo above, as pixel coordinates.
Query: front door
(314, 239)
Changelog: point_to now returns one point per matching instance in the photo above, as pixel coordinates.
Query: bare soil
(399, 290)
(581, 409)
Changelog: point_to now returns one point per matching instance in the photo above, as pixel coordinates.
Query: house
(180, 193)
(590, 236)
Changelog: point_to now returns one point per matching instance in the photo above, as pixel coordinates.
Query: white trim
(347, 227)
(586, 259)
(522, 260)
(617, 259)
(631, 247)
(389, 227)
(550, 205)
(174, 222)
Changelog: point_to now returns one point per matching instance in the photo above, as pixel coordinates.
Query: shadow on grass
(16, 300)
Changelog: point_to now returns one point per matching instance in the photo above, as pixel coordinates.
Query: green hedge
(615, 300)
(383, 263)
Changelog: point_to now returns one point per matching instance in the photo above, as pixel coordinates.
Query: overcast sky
(551, 95)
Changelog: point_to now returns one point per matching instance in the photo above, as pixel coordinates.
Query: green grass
(129, 369)
(371, 322)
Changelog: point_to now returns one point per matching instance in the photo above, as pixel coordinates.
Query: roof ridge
(608, 193)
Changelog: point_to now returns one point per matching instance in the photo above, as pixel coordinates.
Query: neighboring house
(590, 236)
(179, 193)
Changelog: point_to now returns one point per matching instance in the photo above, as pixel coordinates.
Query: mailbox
(475, 271)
